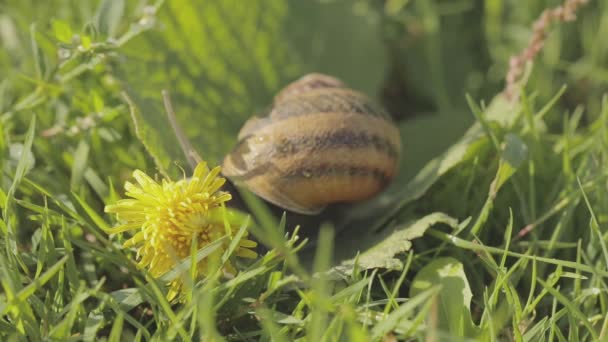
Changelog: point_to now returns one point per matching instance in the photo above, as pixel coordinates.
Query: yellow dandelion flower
(167, 217)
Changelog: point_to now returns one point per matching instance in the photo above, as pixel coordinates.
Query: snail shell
(320, 143)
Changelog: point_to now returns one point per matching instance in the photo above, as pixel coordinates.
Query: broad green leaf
(321, 46)
(221, 62)
(151, 129)
(454, 299)
(384, 252)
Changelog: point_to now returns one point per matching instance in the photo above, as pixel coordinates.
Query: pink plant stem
(564, 13)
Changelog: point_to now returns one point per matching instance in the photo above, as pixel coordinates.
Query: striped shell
(321, 143)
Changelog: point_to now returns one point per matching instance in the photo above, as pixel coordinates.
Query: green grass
(495, 229)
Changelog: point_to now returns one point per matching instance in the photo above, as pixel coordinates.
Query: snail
(320, 143)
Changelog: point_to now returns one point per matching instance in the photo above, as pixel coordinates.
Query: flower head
(169, 217)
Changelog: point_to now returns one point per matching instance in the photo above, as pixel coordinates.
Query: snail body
(320, 143)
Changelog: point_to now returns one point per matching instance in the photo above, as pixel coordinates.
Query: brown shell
(320, 143)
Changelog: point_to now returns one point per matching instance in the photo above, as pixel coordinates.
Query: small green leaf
(17, 151)
(393, 7)
(98, 103)
(62, 330)
(454, 299)
(31, 288)
(79, 164)
(269, 326)
(131, 297)
(85, 41)
(40, 62)
(94, 322)
(23, 166)
(383, 253)
(572, 307)
(184, 265)
(514, 150)
(514, 153)
(101, 224)
(62, 31)
(2, 199)
(391, 321)
(128, 298)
